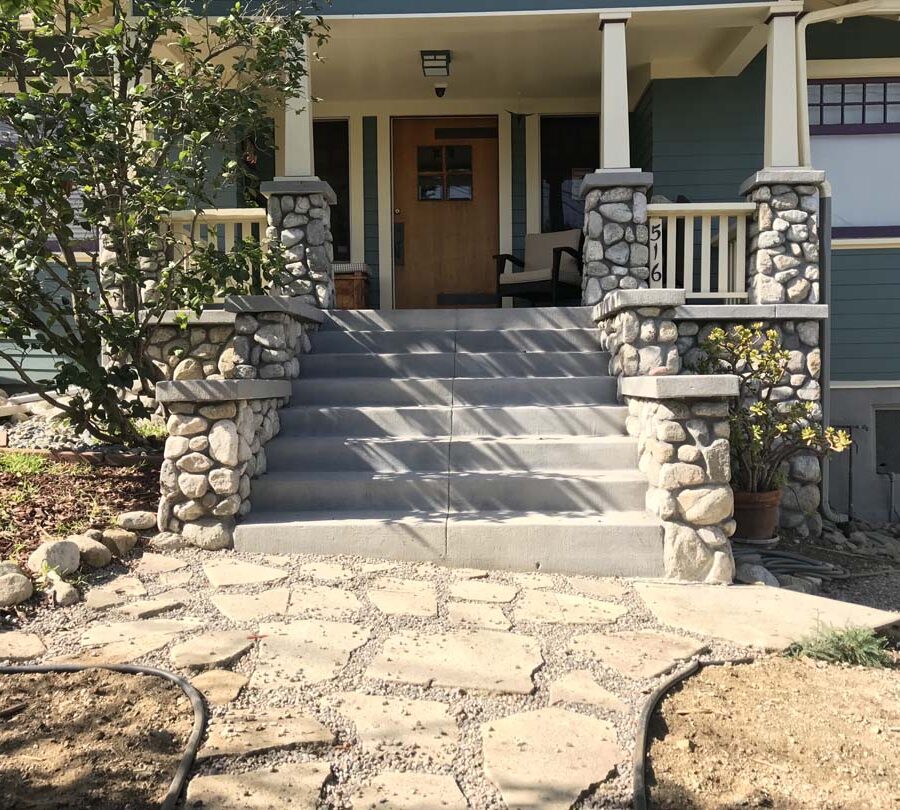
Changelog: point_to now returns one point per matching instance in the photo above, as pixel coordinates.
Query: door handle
(399, 242)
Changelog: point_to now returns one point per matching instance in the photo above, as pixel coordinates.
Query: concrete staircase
(483, 438)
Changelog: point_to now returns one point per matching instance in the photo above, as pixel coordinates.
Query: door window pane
(431, 159)
(570, 149)
(459, 158)
(459, 186)
(431, 187)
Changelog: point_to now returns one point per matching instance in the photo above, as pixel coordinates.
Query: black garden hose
(201, 714)
(641, 797)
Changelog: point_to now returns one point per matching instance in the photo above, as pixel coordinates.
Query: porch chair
(551, 268)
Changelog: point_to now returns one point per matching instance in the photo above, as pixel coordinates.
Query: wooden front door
(446, 225)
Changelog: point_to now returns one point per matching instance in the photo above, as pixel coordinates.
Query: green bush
(858, 646)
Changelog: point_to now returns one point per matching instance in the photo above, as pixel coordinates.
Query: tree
(116, 120)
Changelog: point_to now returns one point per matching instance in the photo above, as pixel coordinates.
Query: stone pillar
(217, 435)
(783, 260)
(299, 214)
(681, 426)
(617, 239)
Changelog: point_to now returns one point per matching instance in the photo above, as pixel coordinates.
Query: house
(450, 130)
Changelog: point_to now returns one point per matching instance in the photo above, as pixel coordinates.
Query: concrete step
(608, 544)
(447, 364)
(438, 454)
(547, 491)
(452, 319)
(384, 391)
(362, 391)
(546, 391)
(471, 491)
(390, 535)
(351, 421)
(534, 420)
(530, 454)
(335, 454)
(471, 341)
(299, 491)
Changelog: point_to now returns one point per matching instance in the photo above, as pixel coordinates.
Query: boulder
(753, 574)
(93, 553)
(137, 521)
(119, 541)
(62, 556)
(15, 585)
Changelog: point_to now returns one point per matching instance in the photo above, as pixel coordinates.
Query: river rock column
(299, 216)
(617, 238)
(783, 260)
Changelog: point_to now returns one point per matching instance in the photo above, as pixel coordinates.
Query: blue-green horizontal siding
(707, 134)
(370, 205)
(865, 315)
(37, 364)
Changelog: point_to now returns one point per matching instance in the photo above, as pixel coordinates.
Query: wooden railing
(700, 247)
(221, 227)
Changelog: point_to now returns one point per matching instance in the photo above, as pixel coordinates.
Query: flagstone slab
(475, 591)
(304, 652)
(475, 659)
(579, 686)
(219, 686)
(404, 597)
(637, 653)
(248, 607)
(549, 607)
(326, 571)
(214, 649)
(161, 603)
(123, 642)
(175, 579)
(480, 614)
(423, 728)
(17, 645)
(253, 731)
(470, 573)
(225, 574)
(152, 564)
(536, 581)
(280, 786)
(376, 568)
(323, 602)
(547, 758)
(767, 618)
(113, 593)
(600, 588)
(394, 790)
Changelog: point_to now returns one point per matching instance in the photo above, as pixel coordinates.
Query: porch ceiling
(528, 55)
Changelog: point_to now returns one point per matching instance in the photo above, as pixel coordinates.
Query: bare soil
(779, 733)
(66, 499)
(93, 740)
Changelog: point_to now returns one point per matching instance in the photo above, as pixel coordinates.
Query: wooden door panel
(447, 244)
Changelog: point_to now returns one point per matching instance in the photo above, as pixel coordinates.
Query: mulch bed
(779, 733)
(64, 499)
(92, 740)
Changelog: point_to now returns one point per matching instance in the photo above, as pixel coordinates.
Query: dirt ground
(61, 499)
(779, 733)
(93, 740)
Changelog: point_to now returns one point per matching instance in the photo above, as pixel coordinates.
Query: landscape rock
(15, 585)
(136, 521)
(93, 554)
(61, 556)
(119, 541)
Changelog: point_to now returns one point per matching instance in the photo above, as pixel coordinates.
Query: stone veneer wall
(199, 351)
(783, 262)
(684, 451)
(268, 345)
(299, 215)
(639, 337)
(617, 238)
(213, 450)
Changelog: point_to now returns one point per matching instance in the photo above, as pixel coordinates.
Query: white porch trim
(299, 158)
(615, 140)
(781, 141)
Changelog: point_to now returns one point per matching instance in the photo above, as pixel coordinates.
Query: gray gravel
(61, 629)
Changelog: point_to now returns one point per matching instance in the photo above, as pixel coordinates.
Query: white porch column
(782, 133)
(615, 148)
(299, 158)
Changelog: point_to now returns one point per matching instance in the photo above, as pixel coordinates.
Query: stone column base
(299, 214)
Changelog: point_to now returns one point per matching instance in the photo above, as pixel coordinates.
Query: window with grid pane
(854, 106)
(444, 173)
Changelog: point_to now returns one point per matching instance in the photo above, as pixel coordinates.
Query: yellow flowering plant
(766, 430)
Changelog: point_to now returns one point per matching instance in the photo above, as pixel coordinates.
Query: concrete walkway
(341, 682)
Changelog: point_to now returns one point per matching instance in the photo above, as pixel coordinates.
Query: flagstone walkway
(348, 683)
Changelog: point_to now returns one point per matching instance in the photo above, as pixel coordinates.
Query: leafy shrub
(858, 646)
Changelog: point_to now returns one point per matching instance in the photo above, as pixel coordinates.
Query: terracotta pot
(756, 514)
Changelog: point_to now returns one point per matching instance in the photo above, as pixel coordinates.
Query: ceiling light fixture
(435, 63)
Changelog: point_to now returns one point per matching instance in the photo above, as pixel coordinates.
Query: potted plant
(767, 428)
